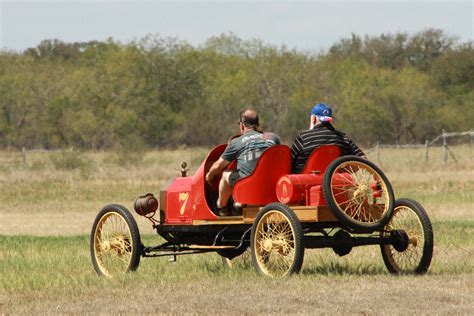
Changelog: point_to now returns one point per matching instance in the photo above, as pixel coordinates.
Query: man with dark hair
(246, 149)
(321, 132)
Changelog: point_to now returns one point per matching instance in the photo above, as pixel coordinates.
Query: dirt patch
(56, 219)
(300, 295)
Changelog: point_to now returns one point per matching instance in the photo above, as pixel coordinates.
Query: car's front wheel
(115, 241)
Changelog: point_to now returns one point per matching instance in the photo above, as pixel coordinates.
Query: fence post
(426, 151)
(377, 150)
(445, 145)
(23, 154)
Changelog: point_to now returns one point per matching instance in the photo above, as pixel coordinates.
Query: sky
(304, 25)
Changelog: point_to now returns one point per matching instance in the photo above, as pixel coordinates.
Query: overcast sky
(305, 25)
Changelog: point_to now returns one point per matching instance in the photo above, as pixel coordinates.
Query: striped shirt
(321, 134)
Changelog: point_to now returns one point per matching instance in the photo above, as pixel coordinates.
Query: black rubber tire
(231, 253)
(425, 251)
(297, 230)
(135, 242)
(350, 223)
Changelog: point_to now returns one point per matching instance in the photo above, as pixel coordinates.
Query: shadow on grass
(330, 267)
(337, 268)
(238, 266)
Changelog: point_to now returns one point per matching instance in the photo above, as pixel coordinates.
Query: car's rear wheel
(358, 193)
(277, 241)
(115, 241)
(409, 217)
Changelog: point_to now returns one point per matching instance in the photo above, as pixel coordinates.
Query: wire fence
(25, 151)
(438, 141)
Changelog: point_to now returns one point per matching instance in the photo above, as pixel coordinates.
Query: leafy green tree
(426, 46)
(158, 91)
(454, 70)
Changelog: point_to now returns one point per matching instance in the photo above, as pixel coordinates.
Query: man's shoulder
(322, 129)
(305, 133)
(250, 135)
(245, 138)
(270, 135)
(236, 142)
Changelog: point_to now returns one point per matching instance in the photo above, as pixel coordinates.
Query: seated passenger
(321, 132)
(246, 149)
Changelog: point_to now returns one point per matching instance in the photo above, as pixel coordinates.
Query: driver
(246, 149)
(321, 132)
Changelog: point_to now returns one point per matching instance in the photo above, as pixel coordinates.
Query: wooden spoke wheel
(358, 194)
(277, 241)
(410, 217)
(115, 241)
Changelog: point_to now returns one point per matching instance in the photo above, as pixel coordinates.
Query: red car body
(187, 198)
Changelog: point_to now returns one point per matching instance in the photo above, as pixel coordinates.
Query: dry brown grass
(37, 199)
(441, 295)
(36, 195)
(54, 275)
(43, 275)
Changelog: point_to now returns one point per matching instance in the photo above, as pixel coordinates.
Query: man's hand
(216, 168)
(209, 177)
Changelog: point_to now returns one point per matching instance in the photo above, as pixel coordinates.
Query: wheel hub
(278, 244)
(362, 191)
(268, 244)
(116, 246)
(343, 245)
(105, 245)
(401, 240)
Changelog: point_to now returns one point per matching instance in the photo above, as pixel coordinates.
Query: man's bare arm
(216, 168)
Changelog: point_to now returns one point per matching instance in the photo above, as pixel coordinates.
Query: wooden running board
(304, 214)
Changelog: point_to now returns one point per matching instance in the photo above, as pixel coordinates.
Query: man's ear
(314, 119)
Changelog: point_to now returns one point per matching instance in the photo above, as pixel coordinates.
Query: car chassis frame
(336, 202)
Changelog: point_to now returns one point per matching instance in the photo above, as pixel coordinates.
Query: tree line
(163, 92)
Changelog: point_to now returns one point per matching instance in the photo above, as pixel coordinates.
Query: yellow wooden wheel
(410, 217)
(277, 241)
(358, 193)
(115, 241)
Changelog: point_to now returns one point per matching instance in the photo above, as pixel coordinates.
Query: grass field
(49, 201)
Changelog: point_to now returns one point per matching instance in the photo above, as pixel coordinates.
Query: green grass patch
(452, 192)
(456, 233)
(69, 191)
(63, 264)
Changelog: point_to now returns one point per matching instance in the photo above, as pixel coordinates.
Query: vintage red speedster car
(337, 202)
